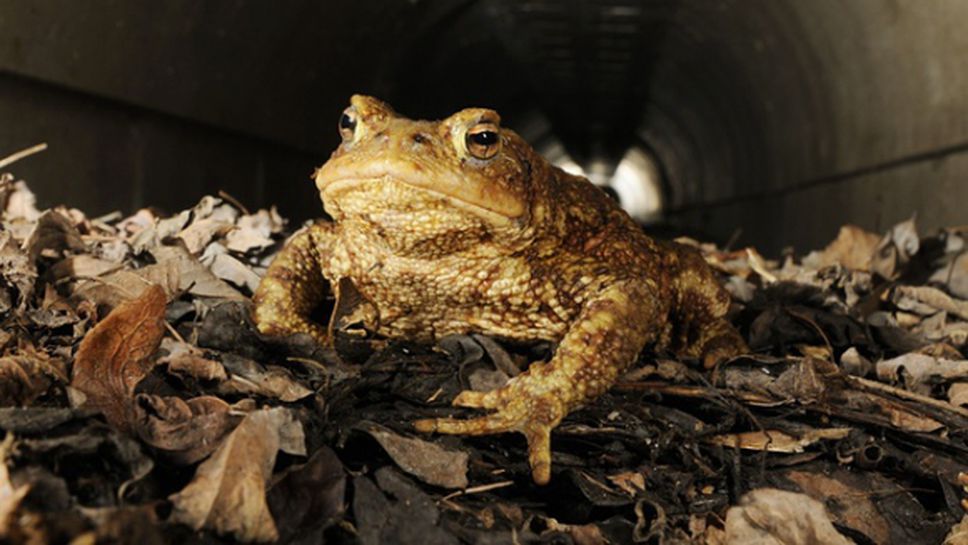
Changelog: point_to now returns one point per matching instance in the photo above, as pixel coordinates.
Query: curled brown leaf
(116, 355)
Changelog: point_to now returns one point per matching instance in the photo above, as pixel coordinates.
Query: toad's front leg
(604, 340)
(294, 285)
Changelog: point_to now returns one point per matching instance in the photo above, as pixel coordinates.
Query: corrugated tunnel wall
(780, 119)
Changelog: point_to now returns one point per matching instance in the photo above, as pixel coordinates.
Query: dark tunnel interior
(768, 122)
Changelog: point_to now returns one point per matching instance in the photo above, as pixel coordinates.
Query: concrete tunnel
(765, 122)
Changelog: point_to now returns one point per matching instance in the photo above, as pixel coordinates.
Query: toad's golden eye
(347, 125)
(483, 140)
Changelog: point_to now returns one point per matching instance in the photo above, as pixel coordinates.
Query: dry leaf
(17, 274)
(309, 497)
(244, 240)
(250, 377)
(918, 372)
(776, 440)
(896, 249)
(82, 266)
(958, 394)
(116, 355)
(185, 360)
(52, 235)
(10, 498)
(427, 461)
(767, 516)
(199, 233)
(849, 498)
(194, 277)
(228, 494)
(958, 534)
(926, 300)
(116, 287)
(631, 482)
(234, 271)
(27, 375)
(20, 203)
(853, 249)
(187, 431)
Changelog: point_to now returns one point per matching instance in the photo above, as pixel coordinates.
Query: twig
(478, 489)
(905, 394)
(10, 159)
(238, 204)
(174, 333)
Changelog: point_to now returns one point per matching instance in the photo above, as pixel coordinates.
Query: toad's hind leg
(717, 340)
(294, 286)
(603, 341)
(701, 314)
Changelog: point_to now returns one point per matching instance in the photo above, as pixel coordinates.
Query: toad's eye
(483, 141)
(347, 125)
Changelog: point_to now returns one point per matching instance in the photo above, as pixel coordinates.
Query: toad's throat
(483, 202)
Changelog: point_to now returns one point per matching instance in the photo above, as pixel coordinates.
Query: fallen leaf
(27, 375)
(776, 440)
(768, 516)
(124, 525)
(250, 377)
(20, 203)
(926, 300)
(918, 372)
(186, 431)
(958, 394)
(243, 240)
(895, 249)
(53, 234)
(116, 355)
(427, 461)
(187, 361)
(631, 482)
(954, 275)
(308, 498)
(113, 288)
(958, 534)
(10, 498)
(853, 249)
(580, 534)
(82, 266)
(235, 272)
(17, 274)
(228, 493)
(199, 233)
(31, 420)
(396, 512)
(194, 277)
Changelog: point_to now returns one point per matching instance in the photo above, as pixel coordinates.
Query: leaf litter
(139, 405)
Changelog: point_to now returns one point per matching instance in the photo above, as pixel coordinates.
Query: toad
(459, 226)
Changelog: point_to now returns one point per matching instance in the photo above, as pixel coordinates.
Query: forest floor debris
(139, 405)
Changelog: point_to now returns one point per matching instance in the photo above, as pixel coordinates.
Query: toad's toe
(534, 416)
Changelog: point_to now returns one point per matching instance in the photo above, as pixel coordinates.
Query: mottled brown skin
(443, 236)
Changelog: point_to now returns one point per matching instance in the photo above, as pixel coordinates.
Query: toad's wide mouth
(482, 199)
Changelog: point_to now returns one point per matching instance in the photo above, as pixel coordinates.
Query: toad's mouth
(490, 203)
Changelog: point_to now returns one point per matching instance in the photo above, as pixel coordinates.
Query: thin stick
(478, 489)
(906, 394)
(10, 159)
(238, 204)
(174, 333)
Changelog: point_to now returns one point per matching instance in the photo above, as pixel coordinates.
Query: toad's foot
(610, 330)
(518, 408)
